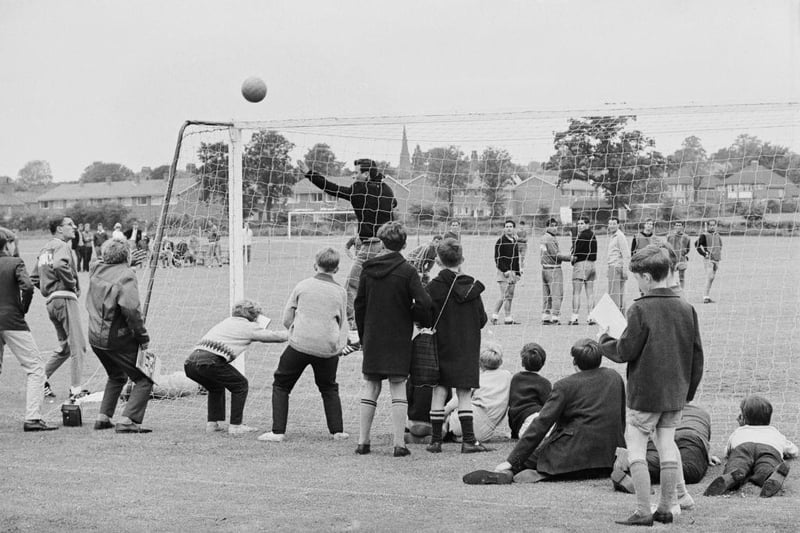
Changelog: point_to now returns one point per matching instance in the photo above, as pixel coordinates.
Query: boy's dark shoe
(401, 451)
(724, 483)
(103, 424)
(665, 517)
(474, 447)
(622, 482)
(636, 520)
(488, 477)
(434, 447)
(362, 449)
(775, 481)
(48, 390)
(37, 425)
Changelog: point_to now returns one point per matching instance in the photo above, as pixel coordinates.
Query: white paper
(263, 321)
(607, 315)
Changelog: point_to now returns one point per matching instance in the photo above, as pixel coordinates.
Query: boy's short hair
(756, 411)
(670, 251)
(514, 224)
(6, 236)
(450, 252)
(552, 221)
(491, 357)
(248, 309)
(393, 236)
(615, 219)
(585, 220)
(327, 259)
(653, 260)
(533, 357)
(437, 238)
(586, 354)
(115, 252)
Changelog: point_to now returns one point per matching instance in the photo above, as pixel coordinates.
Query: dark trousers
(216, 375)
(120, 367)
(290, 367)
(757, 461)
(86, 253)
(693, 456)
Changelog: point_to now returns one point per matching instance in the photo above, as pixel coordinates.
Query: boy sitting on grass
(528, 390)
(662, 347)
(316, 317)
(755, 452)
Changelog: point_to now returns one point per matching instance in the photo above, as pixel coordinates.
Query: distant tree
(691, 160)
(268, 171)
(320, 158)
(212, 174)
(496, 171)
(600, 151)
(448, 169)
(160, 173)
(747, 148)
(419, 161)
(99, 171)
(34, 174)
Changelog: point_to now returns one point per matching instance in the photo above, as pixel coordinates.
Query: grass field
(179, 479)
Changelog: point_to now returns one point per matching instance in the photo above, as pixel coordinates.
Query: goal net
(733, 164)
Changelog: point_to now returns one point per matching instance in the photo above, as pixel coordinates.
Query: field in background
(179, 478)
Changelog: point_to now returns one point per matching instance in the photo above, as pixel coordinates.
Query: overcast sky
(82, 81)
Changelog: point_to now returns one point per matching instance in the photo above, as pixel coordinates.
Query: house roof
(684, 177)
(757, 175)
(114, 189)
(304, 186)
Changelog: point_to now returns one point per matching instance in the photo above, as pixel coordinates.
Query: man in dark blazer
(588, 411)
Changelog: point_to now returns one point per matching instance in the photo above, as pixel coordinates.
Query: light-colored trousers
(65, 316)
(23, 346)
(367, 250)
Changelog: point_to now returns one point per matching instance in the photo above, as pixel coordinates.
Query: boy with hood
(457, 302)
(390, 299)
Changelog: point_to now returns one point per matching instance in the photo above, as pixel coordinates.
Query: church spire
(404, 168)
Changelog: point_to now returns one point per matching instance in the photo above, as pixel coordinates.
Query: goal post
(733, 163)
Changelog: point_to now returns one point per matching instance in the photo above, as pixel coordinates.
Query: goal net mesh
(690, 164)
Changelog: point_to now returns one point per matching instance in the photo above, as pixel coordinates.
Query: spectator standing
(584, 255)
(680, 242)
(709, 245)
(100, 236)
(16, 293)
(86, 248)
(506, 259)
(248, 241)
(618, 258)
(56, 276)
(552, 275)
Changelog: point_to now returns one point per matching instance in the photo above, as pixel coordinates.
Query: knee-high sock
(467, 428)
(437, 421)
(641, 484)
(399, 414)
(367, 412)
(669, 480)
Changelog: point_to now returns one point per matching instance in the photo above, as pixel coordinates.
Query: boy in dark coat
(662, 347)
(390, 299)
(458, 304)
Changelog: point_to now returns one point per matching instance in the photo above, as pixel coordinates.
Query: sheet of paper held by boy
(608, 316)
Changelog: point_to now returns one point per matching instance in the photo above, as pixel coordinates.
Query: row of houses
(536, 195)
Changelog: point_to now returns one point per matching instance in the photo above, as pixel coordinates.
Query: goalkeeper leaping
(373, 202)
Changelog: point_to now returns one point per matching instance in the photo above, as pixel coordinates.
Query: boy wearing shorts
(662, 347)
(584, 256)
